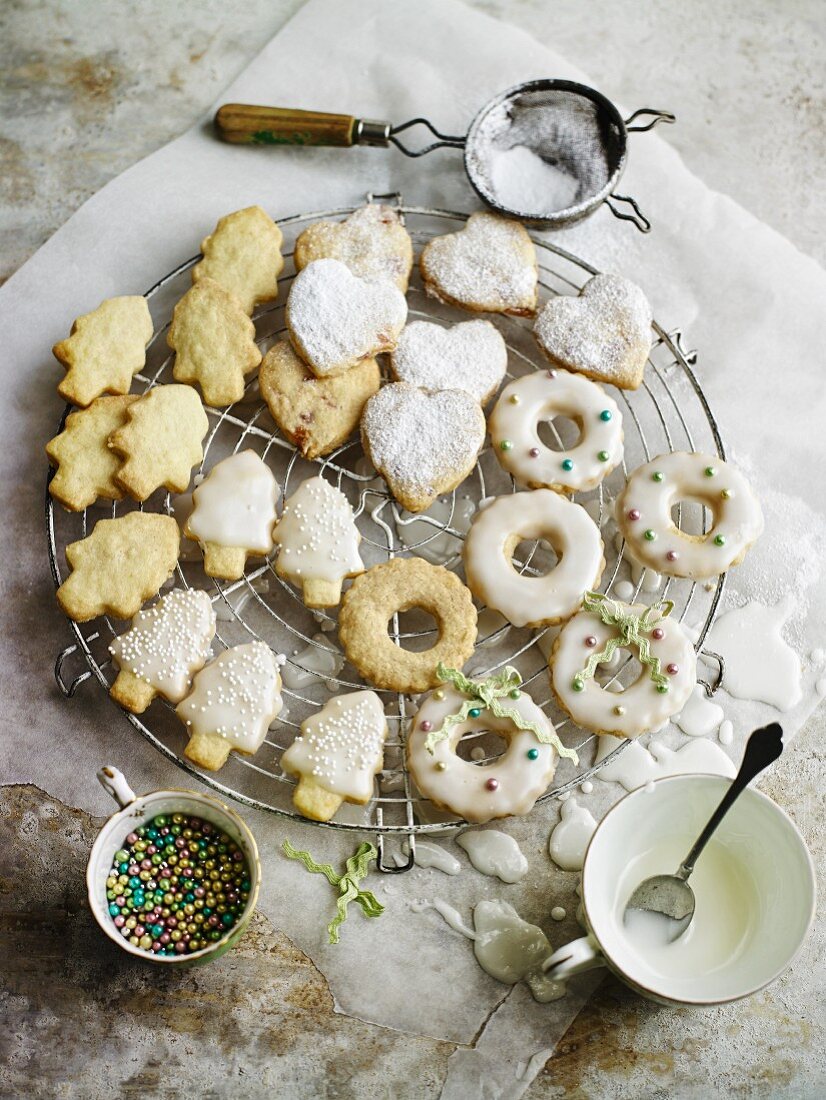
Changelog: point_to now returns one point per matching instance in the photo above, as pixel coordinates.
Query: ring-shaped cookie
(524, 600)
(538, 398)
(644, 515)
(398, 585)
(640, 707)
(509, 785)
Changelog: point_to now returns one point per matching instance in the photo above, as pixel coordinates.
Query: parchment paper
(743, 295)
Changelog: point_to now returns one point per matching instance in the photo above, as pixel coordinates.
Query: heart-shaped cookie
(422, 444)
(488, 266)
(604, 334)
(470, 356)
(372, 242)
(336, 319)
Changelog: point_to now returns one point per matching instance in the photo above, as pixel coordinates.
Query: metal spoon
(670, 896)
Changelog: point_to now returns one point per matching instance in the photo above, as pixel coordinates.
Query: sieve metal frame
(665, 412)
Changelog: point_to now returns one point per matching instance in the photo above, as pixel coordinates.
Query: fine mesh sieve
(571, 146)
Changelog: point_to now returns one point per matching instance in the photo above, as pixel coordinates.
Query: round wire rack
(669, 412)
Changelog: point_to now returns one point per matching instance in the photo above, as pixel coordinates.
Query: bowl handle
(574, 958)
(114, 783)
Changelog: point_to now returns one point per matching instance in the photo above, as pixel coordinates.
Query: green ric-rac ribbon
(487, 695)
(357, 866)
(632, 630)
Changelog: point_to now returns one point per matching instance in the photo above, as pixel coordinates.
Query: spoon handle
(762, 747)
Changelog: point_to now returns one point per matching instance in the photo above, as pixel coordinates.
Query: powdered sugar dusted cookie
(337, 754)
(470, 356)
(604, 334)
(318, 542)
(233, 514)
(372, 242)
(122, 563)
(243, 254)
(165, 645)
(105, 349)
(86, 467)
(160, 441)
(233, 701)
(316, 414)
(488, 266)
(422, 444)
(214, 342)
(336, 319)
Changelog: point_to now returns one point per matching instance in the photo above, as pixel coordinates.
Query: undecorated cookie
(470, 356)
(85, 467)
(243, 254)
(105, 349)
(372, 242)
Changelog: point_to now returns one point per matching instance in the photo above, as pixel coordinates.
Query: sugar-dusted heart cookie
(470, 356)
(372, 242)
(316, 414)
(605, 333)
(105, 349)
(337, 319)
(86, 467)
(488, 266)
(243, 254)
(422, 444)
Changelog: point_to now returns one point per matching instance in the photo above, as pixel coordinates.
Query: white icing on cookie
(341, 746)
(317, 535)
(336, 319)
(470, 356)
(541, 514)
(480, 792)
(644, 515)
(235, 504)
(236, 696)
(536, 398)
(168, 642)
(640, 707)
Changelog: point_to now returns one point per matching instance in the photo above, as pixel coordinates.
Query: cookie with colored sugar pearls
(214, 342)
(372, 242)
(165, 645)
(667, 666)
(489, 266)
(484, 792)
(337, 755)
(233, 513)
(399, 585)
(523, 599)
(422, 444)
(104, 350)
(644, 515)
(85, 468)
(470, 356)
(122, 563)
(537, 399)
(605, 333)
(317, 415)
(318, 542)
(336, 319)
(160, 441)
(243, 255)
(232, 703)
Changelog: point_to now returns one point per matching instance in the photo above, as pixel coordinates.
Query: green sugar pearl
(532, 754)
(577, 684)
(719, 540)
(603, 456)
(474, 712)
(658, 476)
(514, 693)
(710, 471)
(506, 445)
(650, 535)
(606, 415)
(567, 464)
(662, 689)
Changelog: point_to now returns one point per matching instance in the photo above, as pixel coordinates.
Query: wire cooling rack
(669, 412)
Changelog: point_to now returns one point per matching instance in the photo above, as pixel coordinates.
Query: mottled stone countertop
(86, 89)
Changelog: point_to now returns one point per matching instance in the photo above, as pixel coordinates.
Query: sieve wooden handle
(246, 124)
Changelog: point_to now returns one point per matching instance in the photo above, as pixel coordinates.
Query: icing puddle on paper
(494, 853)
(760, 664)
(637, 766)
(699, 717)
(571, 835)
(430, 855)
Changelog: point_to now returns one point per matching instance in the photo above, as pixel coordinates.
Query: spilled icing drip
(760, 664)
(726, 732)
(699, 717)
(571, 835)
(440, 546)
(636, 766)
(430, 855)
(494, 853)
(317, 663)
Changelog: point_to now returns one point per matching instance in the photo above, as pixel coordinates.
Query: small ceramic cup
(754, 885)
(136, 810)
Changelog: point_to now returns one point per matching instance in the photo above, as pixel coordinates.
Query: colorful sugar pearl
(177, 885)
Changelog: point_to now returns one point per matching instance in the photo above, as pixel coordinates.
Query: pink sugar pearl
(672, 555)
(426, 726)
(673, 669)
(590, 641)
(492, 784)
(658, 634)
(634, 514)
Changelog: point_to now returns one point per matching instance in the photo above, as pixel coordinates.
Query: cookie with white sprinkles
(470, 356)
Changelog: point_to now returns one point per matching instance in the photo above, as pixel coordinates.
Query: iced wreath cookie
(668, 666)
(470, 356)
(337, 754)
(243, 254)
(643, 513)
(524, 600)
(233, 514)
(604, 334)
(536, 398)
(510, 784)
(372, 242)
(398, 585)
(489, 266)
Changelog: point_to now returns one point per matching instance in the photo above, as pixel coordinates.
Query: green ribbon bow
(487, 695)
(632, 629)
(358, 865)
